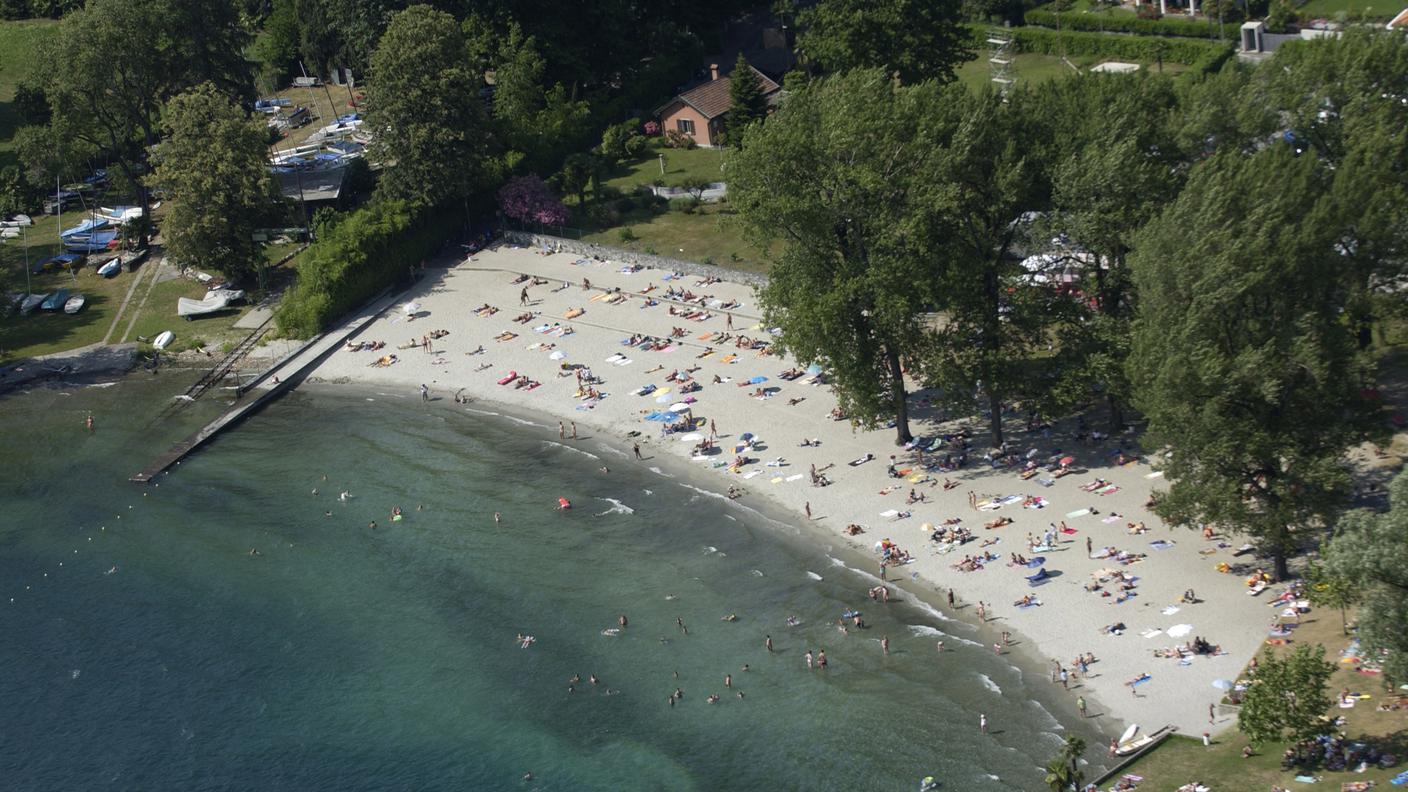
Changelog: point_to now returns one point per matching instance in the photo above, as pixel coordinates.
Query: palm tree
(1063, 772)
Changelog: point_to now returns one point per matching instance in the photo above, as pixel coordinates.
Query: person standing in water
(885, 644)
(767, 641)
(88, 423)
(983, 723)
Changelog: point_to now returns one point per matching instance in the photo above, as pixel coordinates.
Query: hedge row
(1123, 23)
(364, 253)
(1201, 56)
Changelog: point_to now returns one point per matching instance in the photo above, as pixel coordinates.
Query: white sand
(1070, 618)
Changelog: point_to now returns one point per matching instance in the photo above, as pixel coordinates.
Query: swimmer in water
(575, 679)
(254, 551)
(114, 569)
(372, 525)
(498, 517)
(327, 514)
(622, 621)
(344, 496)
(605, 469)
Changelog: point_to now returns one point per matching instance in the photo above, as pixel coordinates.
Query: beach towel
(754, 381)
(777, 480)
(1046, 482)
(1141, 680)
(1069, 531)
(1037, 503)
(1161, 544)
(890, 513)
(1031, 604)
(1108, 489)
(1113, 518)
(1036, 562)
(1154, 475)
(1170, 610)
(1077, 513)
(861, 461)
(1151, 632)
(752, 474)
(728, 358)
(1041, 574)
(794, 477)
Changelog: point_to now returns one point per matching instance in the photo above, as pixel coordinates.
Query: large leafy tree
(427, 122)
(852, 204)
(212, 166)
(1371, 551)
(989, 179)
(1287, 697)
(1241, 360)
(539, 125)
(1114, 170)
(916, 39)
(122, 59)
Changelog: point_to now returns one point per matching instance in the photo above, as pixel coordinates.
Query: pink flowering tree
(652, 128)
(528, 199)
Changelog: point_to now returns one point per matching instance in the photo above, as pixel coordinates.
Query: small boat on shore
(1132, 742)
(55, 301)
(163, 340)
(110, 268)
(75, 304)
(31, 302)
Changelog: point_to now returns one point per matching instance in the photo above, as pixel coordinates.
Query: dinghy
(75, 304)
(164, 340)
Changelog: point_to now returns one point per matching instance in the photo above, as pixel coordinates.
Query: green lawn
(680, 164)
(19, 46)
(1353, 10)
(707, 234)
(1182, 759)
(1029, 68)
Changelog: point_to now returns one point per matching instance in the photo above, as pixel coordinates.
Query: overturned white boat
(214, 300)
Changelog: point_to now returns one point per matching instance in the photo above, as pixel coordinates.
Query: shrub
(1147, 22)
(677, 139)
(708, 261)
(356, 258)
(687, 205)
(627, 235)
(528, 199)
(651, 250)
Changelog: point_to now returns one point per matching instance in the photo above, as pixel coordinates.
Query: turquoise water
(342, 657)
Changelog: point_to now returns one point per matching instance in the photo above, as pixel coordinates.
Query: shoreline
(1069, 620)
(922, 597)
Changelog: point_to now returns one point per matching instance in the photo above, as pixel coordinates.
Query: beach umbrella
(557, 355)
(1222, 684)
(1066, 460)
(679, 407)
(411, 307)
(746, 436)
(1179, 630)
(662, 398)
(692, 437)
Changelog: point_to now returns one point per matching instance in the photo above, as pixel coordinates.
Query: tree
(1371, 550)
(991, 322)
(916, 39)
(122, 59)
(541, 124)
(1287, 697)
(578, 172)
(622, 141)
(1063, 771)
(851, 283)
(1115, 175)
(1329, 590)
(276, 47)
(1241, 360)
(528, 199)
(212, 166)
(745, 93)
(427, 123)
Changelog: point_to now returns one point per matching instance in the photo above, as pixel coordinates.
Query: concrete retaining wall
(647, 260)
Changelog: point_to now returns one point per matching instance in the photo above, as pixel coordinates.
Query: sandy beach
(1070, 618)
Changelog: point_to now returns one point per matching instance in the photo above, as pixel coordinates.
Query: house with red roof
(699, 111)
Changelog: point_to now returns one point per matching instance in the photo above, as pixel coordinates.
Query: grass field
(1352, 10)
(707, 234)
(680, 164)
(19, 46)
(1182, 759)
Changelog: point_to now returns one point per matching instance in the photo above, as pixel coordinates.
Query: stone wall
(646, 260)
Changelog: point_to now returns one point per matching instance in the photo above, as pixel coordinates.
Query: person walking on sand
(1065, 680)
(807, 507)
(972, 500)
(729, 323)
(574, 430)
(950, 598)
(982, 613)
(523, 296)
(1089, 547)
(983, 723)
(1080, 705)
(1212, 713)
(424, 393)
(635, 449)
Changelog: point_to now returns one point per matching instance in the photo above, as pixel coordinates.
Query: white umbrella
(558, 355)
(411, 307)
(692, 437)
(679, 407)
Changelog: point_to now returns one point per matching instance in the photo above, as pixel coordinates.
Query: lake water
(144, 647)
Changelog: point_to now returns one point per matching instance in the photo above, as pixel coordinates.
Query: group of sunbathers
(975, 563)
(486, 310)
(365, 346)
